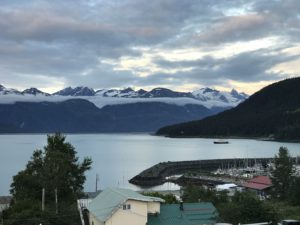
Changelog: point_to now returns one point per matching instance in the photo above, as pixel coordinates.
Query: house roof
(111, 199)
(259, 183)
(261, 180)
(256, 186)
(192, 214)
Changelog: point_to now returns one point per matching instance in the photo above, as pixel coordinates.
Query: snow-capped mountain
(207, 97)
(34, 91)
(124, 93)
(141, 93)
(166, 93)
(6, 91)
(82, 109)
(77, 91)
(208, 94)
(242, 96)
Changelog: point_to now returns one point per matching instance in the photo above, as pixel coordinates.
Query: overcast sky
(178, 44)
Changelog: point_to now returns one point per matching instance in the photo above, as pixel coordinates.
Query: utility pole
(43, 199)
(97, 180)
(56, 201)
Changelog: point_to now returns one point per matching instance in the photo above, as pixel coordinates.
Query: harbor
(209, 172)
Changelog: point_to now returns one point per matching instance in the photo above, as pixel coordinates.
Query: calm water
(117, 158)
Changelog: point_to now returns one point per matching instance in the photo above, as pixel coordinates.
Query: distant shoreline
(232, 137)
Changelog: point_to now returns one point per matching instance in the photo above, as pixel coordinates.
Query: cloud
(244, 67)
(234, 28)
(68, 42)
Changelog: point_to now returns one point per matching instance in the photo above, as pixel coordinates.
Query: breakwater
(156, 175)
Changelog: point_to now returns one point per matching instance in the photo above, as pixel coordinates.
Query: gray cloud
(66, 40)
(245, 67)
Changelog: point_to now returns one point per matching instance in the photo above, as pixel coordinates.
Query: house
(260, 184)
(185, 214)
(83, 204)
(117, 206)
(4, 202)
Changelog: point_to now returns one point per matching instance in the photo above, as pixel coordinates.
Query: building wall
(136, 215)
(153, 207)
(94, 221)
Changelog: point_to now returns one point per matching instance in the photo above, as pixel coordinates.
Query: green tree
(294, 195)
(169, 198)
(247, 208)
(58, 170)
(199, 194)
(282, 174)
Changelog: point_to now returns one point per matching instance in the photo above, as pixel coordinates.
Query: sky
(179, 44)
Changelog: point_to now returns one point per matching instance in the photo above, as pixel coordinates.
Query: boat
(221, 142)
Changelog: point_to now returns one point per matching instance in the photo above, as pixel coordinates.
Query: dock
(157, 174)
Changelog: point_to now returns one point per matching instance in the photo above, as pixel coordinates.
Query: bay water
(119, 157)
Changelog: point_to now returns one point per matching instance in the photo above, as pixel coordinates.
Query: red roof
(256, 186)
(261, 180)
(259, 183)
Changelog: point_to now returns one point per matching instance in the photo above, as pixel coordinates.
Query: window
(126, 207)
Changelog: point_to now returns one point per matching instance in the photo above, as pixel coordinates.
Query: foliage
(246, 208)
(271, 112)
(169, 198)
(294, 193)
(200, 194)
(286, 210)
(282, 175)
(243, 207)
(56, 167)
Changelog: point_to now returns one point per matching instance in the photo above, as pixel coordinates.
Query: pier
(157, 174)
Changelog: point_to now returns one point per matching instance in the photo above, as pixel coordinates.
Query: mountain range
(82, 109)
(273, 112)
(203, 94)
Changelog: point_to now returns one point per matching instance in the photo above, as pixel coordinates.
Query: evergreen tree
(57, 170)
(283, 173)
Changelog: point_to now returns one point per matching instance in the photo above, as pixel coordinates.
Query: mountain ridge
(204, 94)
(82, 116)
(272, 112)
(83, 109)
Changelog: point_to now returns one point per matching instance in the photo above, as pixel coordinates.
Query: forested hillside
(273, 111)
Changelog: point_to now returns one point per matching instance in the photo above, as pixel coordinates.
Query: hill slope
(82, 116)
(273, 111)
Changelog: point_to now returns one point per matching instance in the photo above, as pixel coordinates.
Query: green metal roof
(193, 214)
(111, 199)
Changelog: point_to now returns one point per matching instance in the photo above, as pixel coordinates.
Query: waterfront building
(260, 184)
(117, 206)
